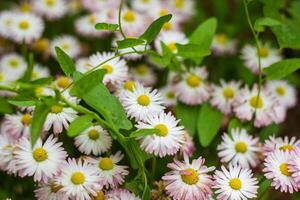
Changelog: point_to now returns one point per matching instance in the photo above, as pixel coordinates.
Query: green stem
(8, 88)
(153, 167)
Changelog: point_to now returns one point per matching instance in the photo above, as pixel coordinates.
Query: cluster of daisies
(100, 171)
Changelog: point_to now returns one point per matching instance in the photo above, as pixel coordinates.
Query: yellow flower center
(93, 134)
(41, 45)
(38, 91)
(77, 178)
(286, 147)
(63, 82)
(25, 7)
(284, 169)
(162, 130)
(280, 91)
(129, 85)
(108, 68)
(170, 95)
(65, 46)
(241, 147)
(56, 109)
(1, 76)
(129, 16)
(172, 46)
(235, 183)
(14, 63)
(221, 38)
(179, 4)
(163, 12)
(263, 52)
(40, 154)
(106, 164)
(50, 2)
(143, 100)
(55, 188)
(228, 93)
(35, 75)
(24, 25)
(193, 81)
(26, 119)
(146, 1)
(168, 26)
(92, 19)
(256, 102)
(100, 196)
(189, 176)
(142, 70)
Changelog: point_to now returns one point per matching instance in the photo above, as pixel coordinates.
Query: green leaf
(234, 123)
(87, 82)
(39, 116)
(106, 26)
(209, 123)
(264, 186)
(266, 132)
(153, 30)
(282, 68)
(143, 132)
(157, 58)
(136, 154)
(28, 73)
(65, 62)
(260, 23)
(42, 81)
(129, 42)
(22, 101)
(188, 116)
(5, 108)
(80, 124)
(192, 51)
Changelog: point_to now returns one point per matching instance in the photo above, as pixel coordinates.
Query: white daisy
(82, 65)
(51, 9)
(93, 140)
(225, 95)
(69, 44)
(239, 148)
(7, 156)
(79, 179)
(39, 72)
(62, 82)
(18, 124)
(25, 7)
(222, 45)
(169, 95)
(294, 165)
(42, 45)
(13, 64)
(277, 170)
(143, 74)
(59, 118)
(235, 183)
(120, 194)
(26, 28)
(170, 39)
(43, 91)
(127, 86)
(142, 102)
(111, 174)
(188, 181)
(99, 5)
(267, 54)
(116, 69)
(6, 21)
(144, 6)
(188, 146)
(184, 8)
(50, 191)
(168, 140)
(193, 89)
(42, 161)
(281, 143)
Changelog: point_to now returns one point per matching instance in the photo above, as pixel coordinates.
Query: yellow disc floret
(26, 119)
(235, 183)
(228, 93)
(284, 169)
(193, 81)
(108, 68)
(286, 147)
(241, 147)
(40, 154)
(106, 163)
(56, 109)
(93, 134)
(256, 102)
(263, 52)
(24, 25)
(162, 130)
(143, 100)
(129, 16)
(77, 178)
(189, 176)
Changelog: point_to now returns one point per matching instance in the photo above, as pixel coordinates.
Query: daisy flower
(44, 91)
(50, 191)
(222, 45)
(110, 173)
(188, 146)
(265, 106)
(192, 89)
(6, 21)
(13, 64)
(42, 45)
(7, 156)
(25, 7)
(142, 102)
(284, 92)
(79, 179)
(116, 69)
(39, 72)
(69, 44)
(144, 6)
(277, 170)
(188, 181)
(170, 39)
(99, 5)
(26, 28)
(93, 140)
(119, 194)
(59, 118)
(239, 149)
(51, 9)
(169, 138)
(225, 95)
(62, 82)
(42, 161)
(294, 165)
(143, 74)
(267, 54)
(82, 65)
(184, 8)
(169, 95)
(18, 124)
(235, 183)
(281, 143)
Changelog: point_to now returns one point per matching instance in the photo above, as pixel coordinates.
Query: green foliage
(65, 62)
(208, 124)
(28, 72)
(266, 132)
(129, 42)
(260, 23)
(143, 132)
(282, 68)
(79, 125)
(107, 27)
(5, 107)
(192, 51)
(22, 101)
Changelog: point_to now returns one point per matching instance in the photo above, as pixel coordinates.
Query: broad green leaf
(260, 23)
(143, 132)
(153, 30)
(208, 124)
(5, 108)
(282, 68)
(28, 73)
(66, 63)
(136, 154)
(192, 51)
(188, 116)
(22, 101)
(156, 58)
(129, 42)
(264, 186)
(266, 132)
(42, 81)
(79, 125)
(87, 82)
(39, 116)
(234, 123)
(106, 26)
